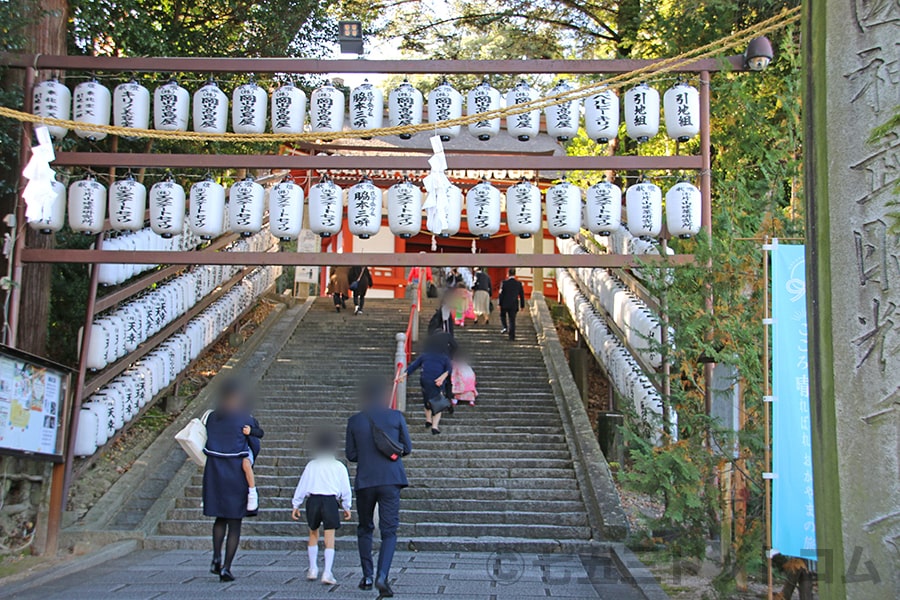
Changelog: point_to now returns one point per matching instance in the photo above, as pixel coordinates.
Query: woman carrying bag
(360, 282)
(436, 368)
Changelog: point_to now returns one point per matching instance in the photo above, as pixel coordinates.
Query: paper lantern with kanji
(404, 204)
(87, 206)
(445, 103)
(210, 109)
(483, 98)
(127, 203)
(288, 109)
(91, 103)
(483, 209)
(563, 202)
(563, 118)
(449, 207)
(682, 105)
(249, 107)
(405, 107)
(603, 208)
(601, 116)
(131, 105)
(53, 100)
(326, 110)
(167, 207)
(366, 107)
(286, 210)
(643, 204)
(246, 205)
(683, 209)
(326, 208)
(364, 202)
(207, 210)
(523, 209)
(641, 112)
(526, 125)
(171, 107)
(53, 214)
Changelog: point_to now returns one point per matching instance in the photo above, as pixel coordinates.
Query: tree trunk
(628, 25)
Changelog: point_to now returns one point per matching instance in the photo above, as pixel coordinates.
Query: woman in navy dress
(436, 368)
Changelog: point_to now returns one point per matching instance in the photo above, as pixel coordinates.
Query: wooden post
(537, 280)
(706, 221)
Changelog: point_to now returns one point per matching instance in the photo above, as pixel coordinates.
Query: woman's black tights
(233, 526)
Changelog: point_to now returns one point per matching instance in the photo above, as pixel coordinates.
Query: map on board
(30, 400)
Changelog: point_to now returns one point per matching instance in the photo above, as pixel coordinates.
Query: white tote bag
(193, 439)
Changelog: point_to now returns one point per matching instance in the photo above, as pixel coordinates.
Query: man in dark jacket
(511, 299)
(363, 279)
(378, 482)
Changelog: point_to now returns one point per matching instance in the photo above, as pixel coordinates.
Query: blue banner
(793, 509)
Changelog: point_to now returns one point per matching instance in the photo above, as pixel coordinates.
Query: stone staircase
(500, 475)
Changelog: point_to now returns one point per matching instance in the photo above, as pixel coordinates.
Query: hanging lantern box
(91, 104)
(53, 100)
(326, 110)
(249, 103)
(127, 204)
(286, 210)
(483, 98)
(643, 203)
(405, 107)
(483, 210)
(601, 117)
(523, 209)
(404, 204)
(167, 207)
(326, 208)
(246, 205)
(603, 208)
(564, 210)
(364, 202)
(87, 206)
(366, 107)
(563, 119)
(445, 103)
(526, 125)
(288, 109)
(682, 105)
(131, 105)
(683, 210)
(210, 111)
(171, 107)
(207, 210)
(642, 112)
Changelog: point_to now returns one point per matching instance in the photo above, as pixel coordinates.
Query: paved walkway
(270, 575)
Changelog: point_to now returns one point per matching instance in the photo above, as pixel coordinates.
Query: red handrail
(413, 314)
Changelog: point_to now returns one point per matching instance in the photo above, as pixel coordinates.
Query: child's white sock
(329, 559)
(313, 552)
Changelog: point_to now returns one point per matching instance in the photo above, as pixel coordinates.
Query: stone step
(283, 494)
(443, 461)
(562, 482)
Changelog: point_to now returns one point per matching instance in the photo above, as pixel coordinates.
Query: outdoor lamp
(759, 54)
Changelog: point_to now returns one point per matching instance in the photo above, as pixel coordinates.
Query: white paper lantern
(210, 110)
(326, 208)
(405, 107)
(171, 107)
(53, 214)
(683, 209)
(404, 203)
(288, 109)
(286, 210)
(246, 205)
(523, 209)
(483, 98)
(641, 112)
(601, 116)
(127, 204)
(87, 206)
(364, 209)
(445, 103)
(563, 119)
(483, 209)
(53, 100)
(91, 104)
(603, 209)
(682, 105)
(326, 110)
(131, 105)
(249, 106)
(86, 434)
(207, 211)
(167, 206)
(446, 213)
(526, 125)
(366, 107)
(643, 203)
(564, 210)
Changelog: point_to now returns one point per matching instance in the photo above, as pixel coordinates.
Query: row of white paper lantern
(118, 402)
(145, 239)
(129, 106)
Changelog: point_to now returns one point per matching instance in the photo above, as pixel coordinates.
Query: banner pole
(767, 390)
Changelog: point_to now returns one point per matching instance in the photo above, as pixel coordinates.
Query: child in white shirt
(325, 486)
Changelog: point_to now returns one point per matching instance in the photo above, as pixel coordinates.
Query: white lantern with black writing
(404, 204)
(563, 119)
(53, 214)
(526, 125)
(210, 109)
(286, 210)
(447, 207)
(364, 209)
(601, 116)
(523, 209)
(326, 208)
(683, 210)
(91, 104)
(641, 112)
(87, 206)
(444, 104)
(288, 109)
(53, 100)
(167, 207)
(405, 107)
(563, 202)
(603, 209)
(127, 203)
(682, 105)
(483, 209)
(643, 204)
(326, 110)
(131, 105)
(207, 210)
(171, 107)
(366, 107)
(246, 205)
(249, 106)
(483, 98)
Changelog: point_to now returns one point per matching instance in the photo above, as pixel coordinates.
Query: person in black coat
(363, 279)
(378, 482)
(511, 300)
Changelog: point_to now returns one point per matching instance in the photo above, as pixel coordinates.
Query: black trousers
(339, 300)
(359, 298)
(508, 321)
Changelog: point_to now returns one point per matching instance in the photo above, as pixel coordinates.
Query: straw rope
(738, 39)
